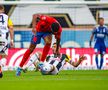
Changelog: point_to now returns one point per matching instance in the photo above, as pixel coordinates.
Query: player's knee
(32, 47)
(48, 42)
(48, 39)
(96, 54)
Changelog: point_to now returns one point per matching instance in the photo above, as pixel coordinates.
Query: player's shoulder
(45, 17)
(63, 54)
(105, 26)
(10, 23)
(96, 26)
(66, 56)
(5, 15)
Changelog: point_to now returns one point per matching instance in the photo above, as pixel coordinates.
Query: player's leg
(34, 41)
(27, 54)
(1, 75)
(101, 61)
(3, 60)
(102, 52)
(48, 39)
(25, 57)
(3, 54)
(2, 63)
(34, 59)
(97, 49)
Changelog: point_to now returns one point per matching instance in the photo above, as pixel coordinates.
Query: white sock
(33, 59)
(3, 62)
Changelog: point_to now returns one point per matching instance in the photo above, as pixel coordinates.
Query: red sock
(25, 57)
(45, 52)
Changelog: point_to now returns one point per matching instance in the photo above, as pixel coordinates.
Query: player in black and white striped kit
(54, 63)
(6, 27)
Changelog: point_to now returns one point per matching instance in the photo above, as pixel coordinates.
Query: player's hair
(55, 27)
(56, 43)
(2, 7)
(101, 18)
(38, 18)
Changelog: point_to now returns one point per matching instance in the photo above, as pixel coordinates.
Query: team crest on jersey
(104, 30)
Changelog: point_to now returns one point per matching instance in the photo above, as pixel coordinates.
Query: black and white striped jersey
(58, 62)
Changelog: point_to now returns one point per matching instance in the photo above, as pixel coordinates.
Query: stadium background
(77, 21)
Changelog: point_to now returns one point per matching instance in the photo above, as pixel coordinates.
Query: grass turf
(66, 80)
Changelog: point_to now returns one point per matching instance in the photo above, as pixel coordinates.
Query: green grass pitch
(65, 80)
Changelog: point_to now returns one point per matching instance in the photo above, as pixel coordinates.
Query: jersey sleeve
(94, 30)
(10, 23)
(107, 31)
(67, 59)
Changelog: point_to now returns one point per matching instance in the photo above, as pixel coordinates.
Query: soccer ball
(44, 70)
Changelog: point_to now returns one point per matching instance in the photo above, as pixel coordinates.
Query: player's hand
(81, 58)
(34, 31)
(11, 44)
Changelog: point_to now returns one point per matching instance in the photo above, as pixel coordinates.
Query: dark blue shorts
(36, 39)
(100, 48)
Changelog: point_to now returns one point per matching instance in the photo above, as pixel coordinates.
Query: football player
(54, 63)
(43, 27)
(6, 27)
(99, 33)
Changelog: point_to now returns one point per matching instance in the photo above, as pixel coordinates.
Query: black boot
(1, 74)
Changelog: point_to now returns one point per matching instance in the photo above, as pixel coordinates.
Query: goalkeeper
(53, 63)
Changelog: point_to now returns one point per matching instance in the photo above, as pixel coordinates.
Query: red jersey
(44, 25)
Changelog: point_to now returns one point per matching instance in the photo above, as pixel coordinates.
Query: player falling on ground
(6, 26)
(99, 33)
(43, 27)
(53, 63)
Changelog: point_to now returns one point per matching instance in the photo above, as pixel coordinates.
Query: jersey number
(1, 19)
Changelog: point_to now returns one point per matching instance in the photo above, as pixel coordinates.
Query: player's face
(54, 48)
(101, 22)
(1, 11)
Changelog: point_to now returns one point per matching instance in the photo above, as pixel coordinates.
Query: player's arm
(58, 44)
(58, 36)
(91, 37)
(76, 64)
(11, 30)
(34, 23)
(67, 58)
(47, 58)
(107, 32)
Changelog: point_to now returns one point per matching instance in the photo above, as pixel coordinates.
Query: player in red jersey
(43, 27)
